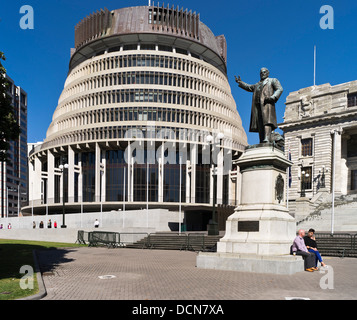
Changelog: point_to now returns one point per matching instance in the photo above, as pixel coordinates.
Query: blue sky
(277, 34)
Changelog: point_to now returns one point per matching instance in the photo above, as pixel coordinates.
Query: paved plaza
(74, 274)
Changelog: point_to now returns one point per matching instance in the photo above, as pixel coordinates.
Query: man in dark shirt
(311, 246)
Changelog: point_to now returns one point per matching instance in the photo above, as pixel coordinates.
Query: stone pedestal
(261, 231)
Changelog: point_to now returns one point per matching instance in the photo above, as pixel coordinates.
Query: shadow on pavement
(14, 256)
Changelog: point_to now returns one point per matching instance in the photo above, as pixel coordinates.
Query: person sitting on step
(311, 246)
(299, 248)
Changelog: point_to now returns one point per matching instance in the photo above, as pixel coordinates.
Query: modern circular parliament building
(146, 86)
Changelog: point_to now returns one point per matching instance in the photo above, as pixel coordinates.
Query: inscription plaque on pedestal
(248, 226)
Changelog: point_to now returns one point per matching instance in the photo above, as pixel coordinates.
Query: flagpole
(124, 197)
(314, 65)
(82, 211)
(288, 179)
(180, 217)
(147, 192)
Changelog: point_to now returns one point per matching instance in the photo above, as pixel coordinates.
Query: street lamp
(213, 229)
(62, 167)
(304, 176)
(322, 179)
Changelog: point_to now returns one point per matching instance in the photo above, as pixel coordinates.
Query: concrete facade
(137, 99)
(140, 221)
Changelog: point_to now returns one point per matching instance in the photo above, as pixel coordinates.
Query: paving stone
(172, 275)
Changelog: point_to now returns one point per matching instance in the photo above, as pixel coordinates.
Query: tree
(9, 128)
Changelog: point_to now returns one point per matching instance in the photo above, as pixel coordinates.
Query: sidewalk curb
(41, 285)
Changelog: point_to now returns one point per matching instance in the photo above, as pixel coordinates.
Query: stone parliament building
(320, 130)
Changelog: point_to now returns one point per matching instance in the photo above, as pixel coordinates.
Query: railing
(82, 237)
(196, 240)
(338, 244)
(343, 244)
(110, 239)
(181, 241)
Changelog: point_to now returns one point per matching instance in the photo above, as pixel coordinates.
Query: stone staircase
(345, 216)
(174, 241)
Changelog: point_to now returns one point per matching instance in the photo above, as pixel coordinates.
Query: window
(352, 100)
(172, 181)
(225, 189)
(150, 16)
(181, 51)
(23, 98)
(352, 146)
(147, 47)
(141, 183)
(57, 189)
(353, 179)
(114, 49)
(88, 177)
(76, 184)
(203, 176)
(116, 170)
(130, 47)
(306, 147)
(165, 48)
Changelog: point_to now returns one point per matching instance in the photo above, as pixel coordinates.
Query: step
(176, 242)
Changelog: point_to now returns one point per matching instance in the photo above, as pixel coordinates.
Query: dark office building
(14, 172)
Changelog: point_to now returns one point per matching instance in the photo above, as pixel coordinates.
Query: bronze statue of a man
(265, 94)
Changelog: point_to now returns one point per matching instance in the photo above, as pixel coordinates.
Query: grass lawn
(13, 255)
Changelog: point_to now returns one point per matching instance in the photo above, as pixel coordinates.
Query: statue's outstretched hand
(238, 80)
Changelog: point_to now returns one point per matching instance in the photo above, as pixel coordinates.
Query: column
(130, 173)
(104, 178)
(35, 181)
(220, 176)
(344, 167)
(70, 175)
(193, 151)
(97, 172)
(338, 161)
(51, 177)
(80, 180)
(188, 181)
(161, 167)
